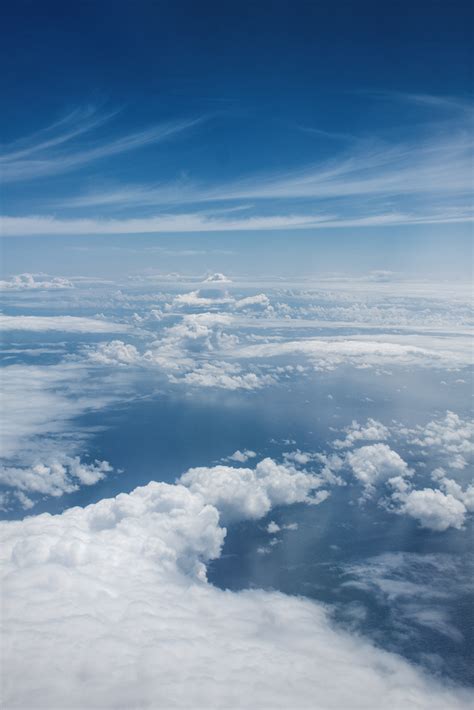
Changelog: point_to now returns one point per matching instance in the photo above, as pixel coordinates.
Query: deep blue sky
(331, 117)
(293, 58)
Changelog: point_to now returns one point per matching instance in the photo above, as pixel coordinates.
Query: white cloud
(242, 456)
(191, 351)
(369, 351)
(191, 222)
(260, 299)
(195, 299)
(47, 153)
(371, 431)
(55, 478)
(41, 445)
(450, 436)
(433, 509)
(115, 352)
(67, 324)
(225, 375)
(376, 463)
(36, 225)
(32, 282)
(108, 607)
(273, 527)
(251, 493)
(217, 278)
(451, 487)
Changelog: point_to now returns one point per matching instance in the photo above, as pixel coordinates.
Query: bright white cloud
(108, 606)
(251, 493)
(433, 509)
(115, 352)
(55, 478)
(451, 436)
(242, 456)
(260, 300)
(217, 279)
(41, 445)
(371, 431)
(375, 464)
(365, 351)
(32, 282)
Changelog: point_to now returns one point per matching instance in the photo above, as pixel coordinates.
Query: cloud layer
(113, 597)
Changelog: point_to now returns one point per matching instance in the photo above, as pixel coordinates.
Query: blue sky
(257, 123)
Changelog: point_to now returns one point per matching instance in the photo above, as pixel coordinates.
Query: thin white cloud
(438, 163)
(40, 156)
(66, 324)
(43, 449)
(199, 222)
(369, 351)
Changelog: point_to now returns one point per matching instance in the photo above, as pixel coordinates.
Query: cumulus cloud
(451, 487)
(32, 282)
(217, 278)
(55, 478)
(371, 431)
(450, 436)
(250, 493)
(242, 456)
(260, 300)
(433, 509)
(115, 352)
(376, 463)
(108, 607)
(225, 375)
(190, 351)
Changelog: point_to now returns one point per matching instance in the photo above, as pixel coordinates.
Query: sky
(344, 130)
(236, 364)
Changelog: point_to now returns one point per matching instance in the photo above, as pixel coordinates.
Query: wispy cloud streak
(201, 222)
(50, 152)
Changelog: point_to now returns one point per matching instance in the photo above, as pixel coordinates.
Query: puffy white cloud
(250, 493)
(108, 607)
(225, 375)
(273, 527)
(115, 352)
(376, 463)
(259, 299)
(31, 282)
(451, 487)
(54, 478)
(217, 278)
(371, 431)
(451, 436)
(196, 299)
(242, 456)
(191, 351)
(433, 509)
